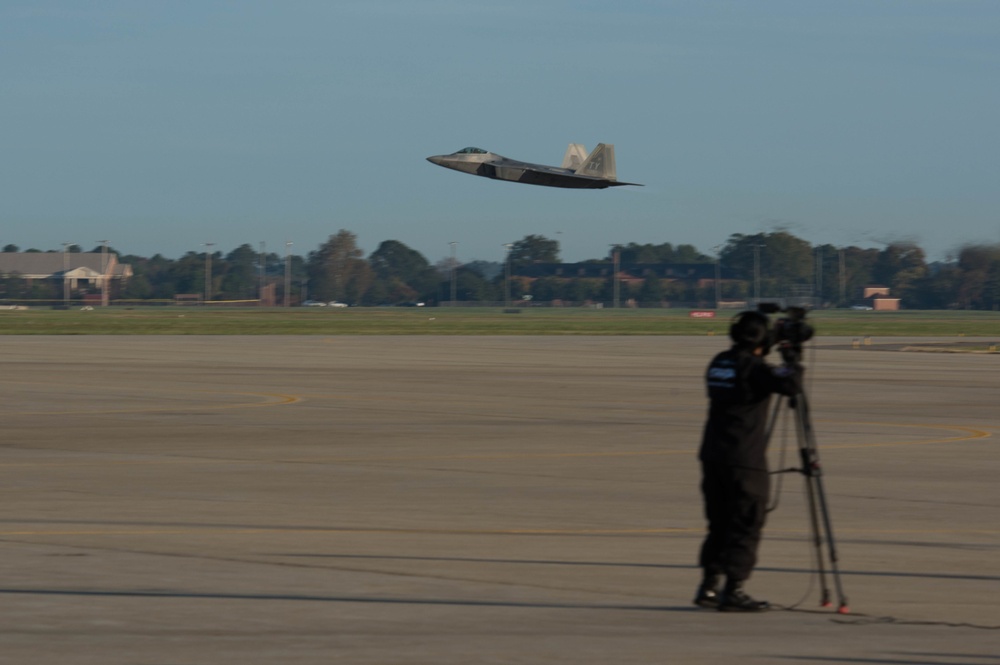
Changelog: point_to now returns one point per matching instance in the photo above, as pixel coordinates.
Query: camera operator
(735, 481)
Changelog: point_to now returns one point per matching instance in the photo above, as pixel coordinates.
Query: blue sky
(165, 125)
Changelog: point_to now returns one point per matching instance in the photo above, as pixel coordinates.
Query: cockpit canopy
(471, 151)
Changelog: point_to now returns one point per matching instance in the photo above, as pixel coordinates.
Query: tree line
(766, 265)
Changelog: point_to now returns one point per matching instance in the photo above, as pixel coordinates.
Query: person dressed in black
(735, 480)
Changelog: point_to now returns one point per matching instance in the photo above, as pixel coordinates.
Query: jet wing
(548, 176)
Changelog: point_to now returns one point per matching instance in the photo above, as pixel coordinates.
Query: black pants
(736, 507)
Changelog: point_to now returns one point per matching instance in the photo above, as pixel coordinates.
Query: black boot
(734, 599)
(708, 592)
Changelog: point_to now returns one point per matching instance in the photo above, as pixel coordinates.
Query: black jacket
(740, 385)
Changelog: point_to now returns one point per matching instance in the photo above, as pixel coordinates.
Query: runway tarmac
(181, 500)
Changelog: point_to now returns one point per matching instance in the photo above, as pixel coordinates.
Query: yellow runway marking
(910, 532)
(618, 406)
(276, 399)
(344, 460)
(973, 434)
(359, 530)
(467, 532)
(498, 456)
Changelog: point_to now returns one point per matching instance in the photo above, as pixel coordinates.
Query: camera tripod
(819, 513)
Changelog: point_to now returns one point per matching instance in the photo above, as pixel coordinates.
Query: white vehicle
(313, 303)
(334, 303)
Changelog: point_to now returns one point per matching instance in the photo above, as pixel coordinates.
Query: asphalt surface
(175, 500)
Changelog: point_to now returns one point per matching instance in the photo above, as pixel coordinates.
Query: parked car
(334, 303)
(313, 303)
(861, 308)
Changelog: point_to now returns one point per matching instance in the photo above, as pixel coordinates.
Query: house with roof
(92, 272)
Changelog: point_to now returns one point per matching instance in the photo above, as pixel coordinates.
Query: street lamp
(208, 270)
(454, 271)
(506, 276)
(288, 273)
(843, 279)
(104, 271)
(756, 273)
(718, 276)
(615, 263)
(66, 246)
(818, 302)
(262, 271)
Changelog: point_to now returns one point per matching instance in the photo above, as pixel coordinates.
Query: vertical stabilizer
(600, 163)
(575, 155)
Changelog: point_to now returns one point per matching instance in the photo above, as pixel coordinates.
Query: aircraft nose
(436, 159)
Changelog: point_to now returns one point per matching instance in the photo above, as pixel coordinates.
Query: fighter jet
(578, 171)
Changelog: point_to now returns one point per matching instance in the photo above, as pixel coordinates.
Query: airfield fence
(72, 303)
(60, 303)
(587, 304)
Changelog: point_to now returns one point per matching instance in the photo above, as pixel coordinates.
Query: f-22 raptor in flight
(579, 170)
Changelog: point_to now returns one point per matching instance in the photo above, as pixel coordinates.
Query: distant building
(85, 271)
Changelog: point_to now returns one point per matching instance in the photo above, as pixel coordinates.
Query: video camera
(788, 332)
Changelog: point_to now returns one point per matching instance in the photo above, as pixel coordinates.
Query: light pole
(615, 264)
(843, 280)
(208, 270)
(66, 274)
(104, 272)
(819, 276)
(718, 276)
(756, 274)
(454, 273)
(262, 271)
(288, 273)
(506, 275)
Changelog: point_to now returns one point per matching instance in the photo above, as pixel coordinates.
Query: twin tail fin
(598, 164)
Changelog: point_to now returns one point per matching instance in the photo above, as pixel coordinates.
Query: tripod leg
(772, 503)
(817, 499)
(831, 546)
(814, 523)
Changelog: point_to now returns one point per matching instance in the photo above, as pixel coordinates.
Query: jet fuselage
(594, 172)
